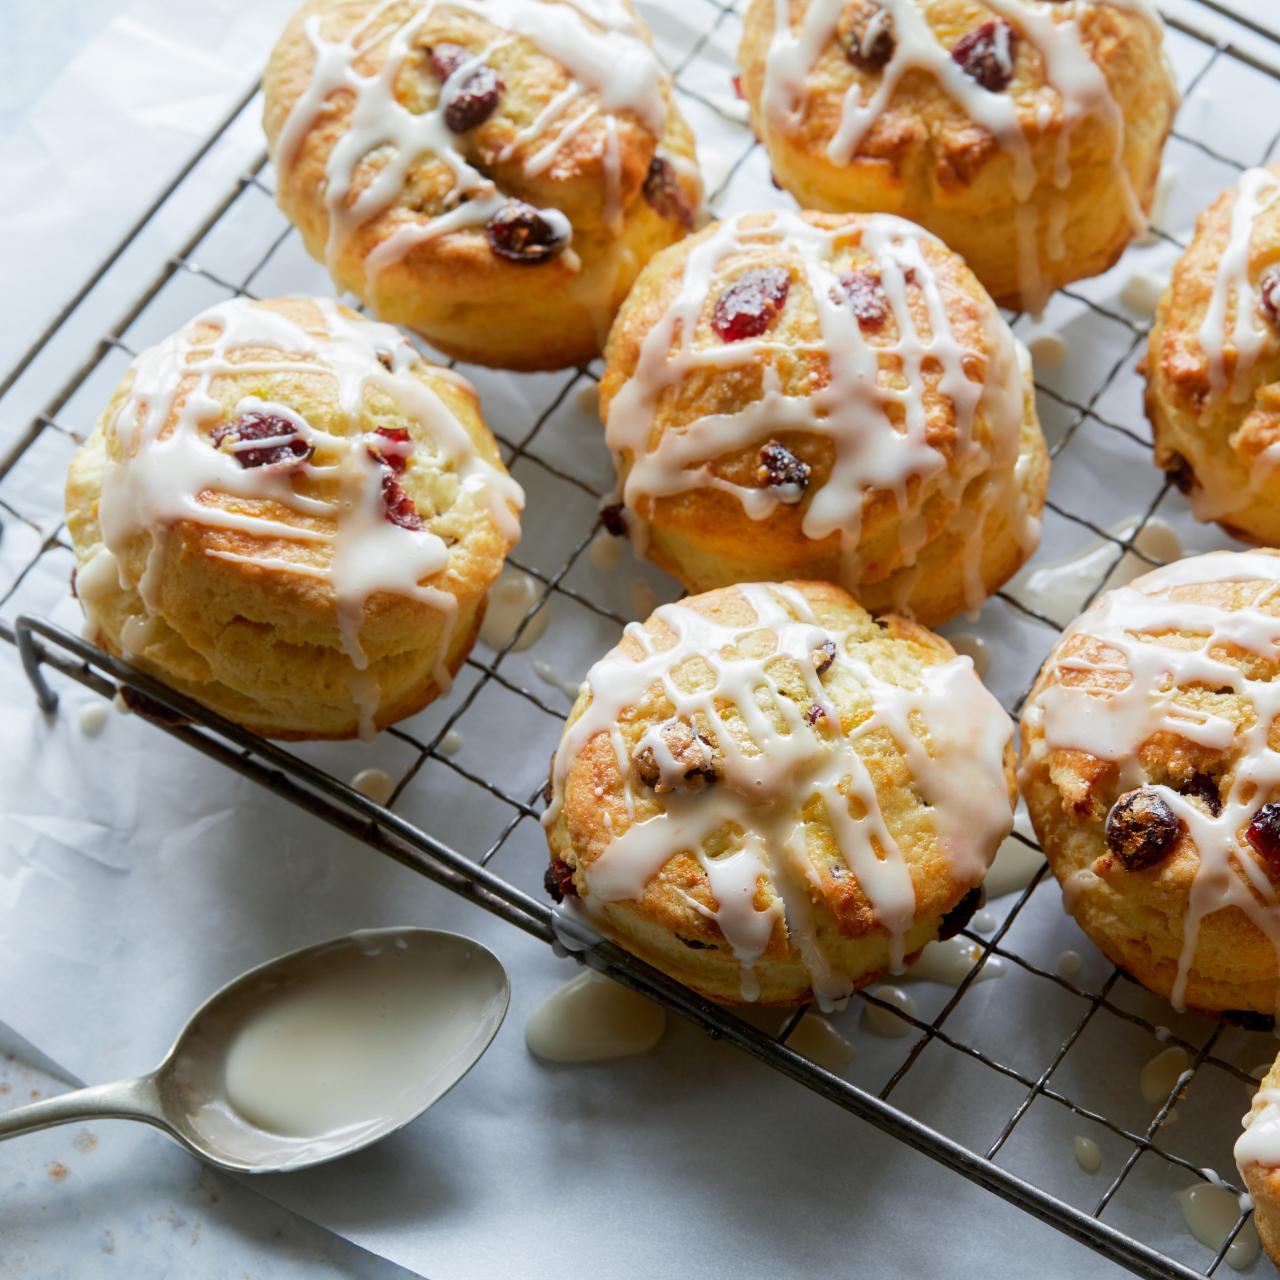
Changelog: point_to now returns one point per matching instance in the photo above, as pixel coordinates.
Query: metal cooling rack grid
(1037, 1073)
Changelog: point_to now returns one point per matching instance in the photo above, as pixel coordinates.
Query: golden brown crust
(923, 157)
(673, 923)
(704, 536)
(451, 287)
(1263, 1184)
(248, 623)
(1210, 434)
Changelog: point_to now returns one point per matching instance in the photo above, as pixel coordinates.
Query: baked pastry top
(1026, 133)
(824, 396)
(491, 174)
(1151, 771)
(1213, 362)
(769, 794)
(286, 512)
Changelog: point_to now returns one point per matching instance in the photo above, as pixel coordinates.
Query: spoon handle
(124, 1100)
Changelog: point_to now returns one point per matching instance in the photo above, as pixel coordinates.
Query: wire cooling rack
(454, 822)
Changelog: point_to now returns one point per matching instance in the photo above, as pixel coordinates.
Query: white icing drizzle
(611, 67)
(1210, 1212)
(1260, 1141)
(1114, 724)
(1072, 78)
(1247, 335)
(166, 468)
(878, 431)
(768, 775)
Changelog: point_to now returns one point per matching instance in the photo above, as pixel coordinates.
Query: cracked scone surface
(825, 396)
(773, 797)
(1213, 363)
(288, 514)
(1027, 135)
(405, 133)
(1151, 771)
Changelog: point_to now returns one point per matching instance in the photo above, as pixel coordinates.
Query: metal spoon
(256, 1022)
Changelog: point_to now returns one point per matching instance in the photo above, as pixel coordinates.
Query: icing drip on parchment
(166, 468)
(1093, 715)
(949, 729)
(1074, 86)
(611, 66)
(874, 418)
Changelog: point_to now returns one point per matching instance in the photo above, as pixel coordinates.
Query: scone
(491, 176)
(1213, 363)
(1152, 776)
(1258, 1159)
(288, 514)
(801, 395)
(773, 797)
(1027, 135)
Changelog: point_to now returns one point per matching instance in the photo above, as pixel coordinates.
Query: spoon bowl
(311, 1056)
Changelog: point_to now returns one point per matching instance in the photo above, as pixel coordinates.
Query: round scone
(1257, 1155)
(1213, 363)
(773, 797)
(493, 176)
(288, 514)
(824, 396)
(1151, 771)
(1026, 134)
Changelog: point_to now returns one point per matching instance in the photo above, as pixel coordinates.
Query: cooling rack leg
(29, 651)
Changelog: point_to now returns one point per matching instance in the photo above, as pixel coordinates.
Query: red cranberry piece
(814, 715)
(1269, 295)
(1141, 829)
(862, 291)
(986, 54)
(395, 453)
(446, 59)
(737, 89)
(614, 519)
(558, 881)
(474, 101)
(778, 468)
(823, 656)
(281, 440)
(1264, 832)
(961, 913)
(520, 233)
(1179, 471)
(75, 595)
(399, 506)
(1203, 788)
(751, 304)
(663, 193)
(869, 41)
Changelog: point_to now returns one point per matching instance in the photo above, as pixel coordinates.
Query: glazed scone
(1151, 771)
(1026, 134)
(1257, 1155)
(1213, 363)
(773, 797)
(824, 396)
(288, 514)
(493, 176)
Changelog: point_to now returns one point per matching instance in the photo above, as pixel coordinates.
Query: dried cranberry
(1269, 295)
(814, 714)
(1249, 1019)
(1141, 829)
(986, 54)
(1203, 788)
(1264, 832)
(399, 506)
(558, 881)
(662, 191)
(446, 59)
(614, 519)
(693, 754)
(823, 656)
(862, 291)
(283, 443)
(961, 913)
(751, 304)
(696, 944)
(385, 359)
(521, 233)
(778, 468)
(397, 450)
(737, 88)
(869, 41)
(475, 100)
(75, 595)
(1179, 471)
